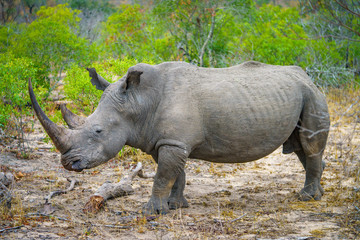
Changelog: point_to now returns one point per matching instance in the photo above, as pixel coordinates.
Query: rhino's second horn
(70, 118)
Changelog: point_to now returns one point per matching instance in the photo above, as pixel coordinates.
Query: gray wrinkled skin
(175, 111)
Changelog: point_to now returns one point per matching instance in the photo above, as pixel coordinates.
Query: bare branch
(10, 228)
(341, 22)
(346, 7)
(113, 190)
(202, 51)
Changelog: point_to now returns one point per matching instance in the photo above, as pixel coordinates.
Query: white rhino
(175, 111)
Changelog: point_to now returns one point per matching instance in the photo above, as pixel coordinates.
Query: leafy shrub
(125, 33)
(325, 64)
(51, 41)
(201, 30)
(14, 73)
(7, 32)
(14, 101)
(274, 36)
(78, 87)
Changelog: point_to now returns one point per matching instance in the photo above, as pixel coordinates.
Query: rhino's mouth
(71, 162)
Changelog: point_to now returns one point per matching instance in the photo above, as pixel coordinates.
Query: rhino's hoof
(175, 203)
(155, 206)
(311, 193)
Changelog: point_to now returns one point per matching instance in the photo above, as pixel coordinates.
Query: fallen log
(114, 190)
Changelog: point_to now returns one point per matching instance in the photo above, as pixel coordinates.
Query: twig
(3, 187)
(58, 192)
(357, 208)
(112, 226)
(46, 215)
(10, 228)
(133, 173)
(202, 51)
(346, 7)
(236, 219)
(230, 221)
(347, 110)
(49, 180)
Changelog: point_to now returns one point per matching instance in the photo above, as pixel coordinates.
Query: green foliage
(60, 14)
(125, 34)
(274, 36)
(91, 5)
(199, 28)
(6, 33)
(14, 73)
(324, 63)
(51, 41)
(79, 89)
(78, 86)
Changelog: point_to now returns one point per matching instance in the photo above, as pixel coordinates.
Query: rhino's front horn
(59, 135)
(70, 118)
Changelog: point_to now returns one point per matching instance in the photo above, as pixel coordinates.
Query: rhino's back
(235, 114)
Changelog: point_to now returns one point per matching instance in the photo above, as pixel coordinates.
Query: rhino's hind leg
(312, 134)
(312, 188)
(177, 199)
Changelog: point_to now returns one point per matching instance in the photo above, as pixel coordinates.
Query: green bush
(78, 87)
(14, 101)
(125, 35)
(52, 43)
(274, 36)
(14, 74)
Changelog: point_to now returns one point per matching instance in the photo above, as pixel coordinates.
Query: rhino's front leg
(171, 162)
(177, 199)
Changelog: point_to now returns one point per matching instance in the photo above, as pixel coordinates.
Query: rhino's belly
(251, 146)
(231, 153)
(241, 125)
(246, 136)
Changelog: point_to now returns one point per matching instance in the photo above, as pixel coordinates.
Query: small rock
(6, 178)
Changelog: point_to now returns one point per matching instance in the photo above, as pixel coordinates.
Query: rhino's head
(93, 140)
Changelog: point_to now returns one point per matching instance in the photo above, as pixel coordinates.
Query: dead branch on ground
(10, 228)
(114, 190)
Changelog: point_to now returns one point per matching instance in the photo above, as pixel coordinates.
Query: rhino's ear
(99, 82)
(132, 79)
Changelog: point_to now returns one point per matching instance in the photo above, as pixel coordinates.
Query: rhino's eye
(97, 129)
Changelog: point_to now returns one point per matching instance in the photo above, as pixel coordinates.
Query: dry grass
(238, 201)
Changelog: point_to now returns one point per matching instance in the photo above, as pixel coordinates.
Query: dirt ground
(256, 200)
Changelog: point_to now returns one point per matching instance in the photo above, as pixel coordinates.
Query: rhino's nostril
(76, 165)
